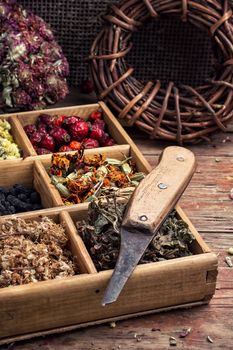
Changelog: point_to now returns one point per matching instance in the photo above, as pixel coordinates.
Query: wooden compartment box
(26, 172)
(19, 120)
(65, 304)
(69, 303)
(118, 152)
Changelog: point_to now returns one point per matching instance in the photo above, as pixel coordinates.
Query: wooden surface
(207, 203)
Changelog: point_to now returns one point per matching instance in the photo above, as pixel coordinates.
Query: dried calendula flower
(82, 178)
(101, 234)
(32, 251)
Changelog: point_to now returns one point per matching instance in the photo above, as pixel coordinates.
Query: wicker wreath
(175, 113)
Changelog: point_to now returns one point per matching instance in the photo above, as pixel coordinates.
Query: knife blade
(152, 201)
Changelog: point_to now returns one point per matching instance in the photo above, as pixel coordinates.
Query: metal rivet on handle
(180, 158)
(162, 186)
(143, 218)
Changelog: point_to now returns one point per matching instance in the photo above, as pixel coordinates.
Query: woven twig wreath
(176, 113)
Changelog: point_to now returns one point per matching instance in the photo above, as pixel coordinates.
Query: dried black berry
(35, 198)
(2, 196)
(23, 197)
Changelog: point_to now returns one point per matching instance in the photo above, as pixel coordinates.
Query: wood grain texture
(207, 203)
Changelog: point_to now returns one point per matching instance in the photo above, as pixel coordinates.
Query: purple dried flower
(4, 10)
(21, 98)
(33, 69)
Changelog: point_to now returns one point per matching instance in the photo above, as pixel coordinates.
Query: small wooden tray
(60, 305)
(26, 172)
(20, 120)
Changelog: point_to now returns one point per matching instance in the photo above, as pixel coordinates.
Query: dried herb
(101, 234)
(210, 340)
(172, 341)
(228, 261)
(185, 332)
(82, 178)
(32, 251)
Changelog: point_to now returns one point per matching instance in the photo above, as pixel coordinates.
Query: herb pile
(68, 133)
(8, 148)
(81, 178)
(101, 235)
(33, 251)
(33, 69)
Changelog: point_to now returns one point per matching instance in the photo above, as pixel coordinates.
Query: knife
(152, 201)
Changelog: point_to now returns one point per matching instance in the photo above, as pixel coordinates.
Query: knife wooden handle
(158, 193)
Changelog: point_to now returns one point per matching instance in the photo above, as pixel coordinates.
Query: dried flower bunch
(174, 112)
(32, 251)
(8, 148)
(81, 178)
(101, 235)
(33, 69)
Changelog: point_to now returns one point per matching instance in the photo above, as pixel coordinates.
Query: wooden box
(19, 120)
(118, 152)
(26, 172)
(69, 303)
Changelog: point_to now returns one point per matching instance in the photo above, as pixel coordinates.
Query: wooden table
(207, 203)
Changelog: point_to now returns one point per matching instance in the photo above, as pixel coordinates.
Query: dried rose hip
(100, 123)
(35, 138)
(109, 142)
(59, 120)
(71, 120)
(65, 148)
(75, 145)
(97, 134)
(79, 130)
(30, 129)
(48, 143)
(60, 135)
(42, 130)
(46, 119)
(95, 115)
(90, 143)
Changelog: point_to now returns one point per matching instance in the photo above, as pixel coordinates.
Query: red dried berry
(60, 135)
(90, 143)
(42, 151)
(95, 115)
(59, 120)
(97, 134)
(46, 119)
(75, 145)
(79, 130)
(30, 129)
(87, 86)
(109, 142)
(35, 138)
(100, 123)
(48, 143)
(42, 130)
(65, 148)
(68, 121)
